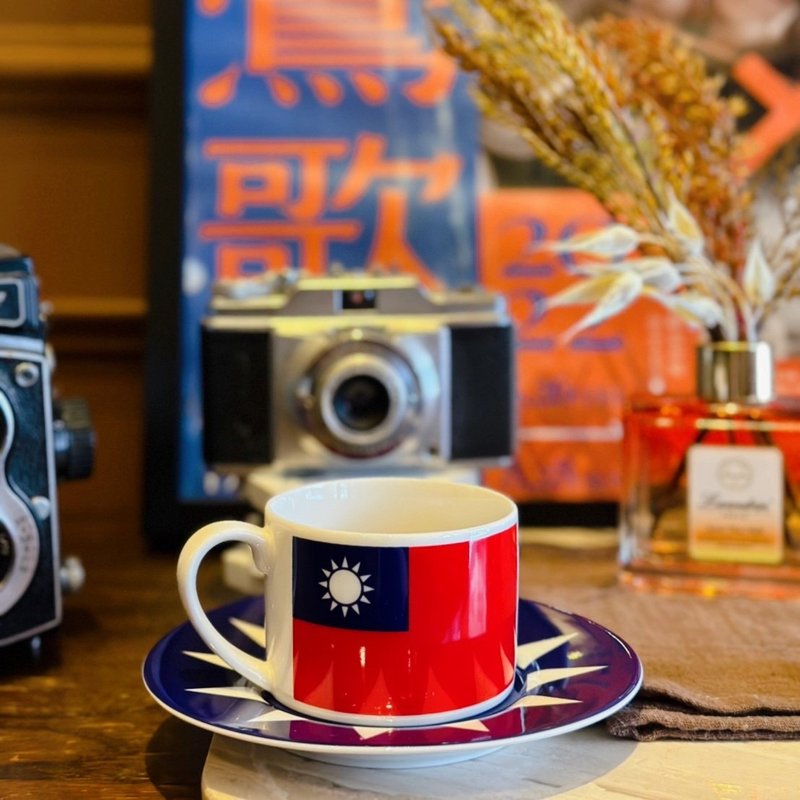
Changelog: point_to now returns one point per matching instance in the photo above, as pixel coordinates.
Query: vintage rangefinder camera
(40, 439)
(355, 371)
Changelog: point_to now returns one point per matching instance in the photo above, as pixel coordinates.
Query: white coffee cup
(388, 601)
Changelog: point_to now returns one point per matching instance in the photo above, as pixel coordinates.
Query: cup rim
(384, 539)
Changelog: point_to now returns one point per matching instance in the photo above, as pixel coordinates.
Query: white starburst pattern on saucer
(527, 654)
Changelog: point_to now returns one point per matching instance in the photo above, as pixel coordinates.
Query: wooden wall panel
(75, 197)
(112, 385)
(74, 175)
(63, 12)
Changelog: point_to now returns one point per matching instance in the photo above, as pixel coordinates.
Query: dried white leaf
(622, 291)
(694, 308)
(655, 271)
(681, 222)
(758, 279)
(612, 241)
(659, 273)
(581, 292)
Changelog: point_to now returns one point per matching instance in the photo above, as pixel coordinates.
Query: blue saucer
(571, 672)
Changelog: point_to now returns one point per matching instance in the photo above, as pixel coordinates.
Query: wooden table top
(77, 721)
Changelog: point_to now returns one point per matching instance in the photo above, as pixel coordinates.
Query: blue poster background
(327, 73)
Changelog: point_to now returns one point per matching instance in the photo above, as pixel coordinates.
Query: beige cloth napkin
(719, 668)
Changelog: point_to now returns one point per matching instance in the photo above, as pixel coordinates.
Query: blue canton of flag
(360, 588)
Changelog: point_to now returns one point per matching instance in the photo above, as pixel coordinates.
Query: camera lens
(361, 402)
(361, 398)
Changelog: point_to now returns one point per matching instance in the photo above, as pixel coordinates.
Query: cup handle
(259, 540)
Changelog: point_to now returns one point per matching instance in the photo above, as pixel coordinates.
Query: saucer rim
(366, 750)
(403, 750)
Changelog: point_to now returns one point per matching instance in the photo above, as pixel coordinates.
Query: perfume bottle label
(735, 503)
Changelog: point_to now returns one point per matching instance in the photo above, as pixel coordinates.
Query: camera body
(355, 371)
(39, 439)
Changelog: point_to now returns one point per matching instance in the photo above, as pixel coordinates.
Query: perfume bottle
(711, 484)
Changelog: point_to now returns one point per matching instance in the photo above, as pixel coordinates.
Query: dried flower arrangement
(624, 109)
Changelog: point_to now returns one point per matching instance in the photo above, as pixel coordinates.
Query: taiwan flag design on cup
(421, 614)
(389, 601)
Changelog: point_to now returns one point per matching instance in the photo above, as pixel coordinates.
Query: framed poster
(334, 132)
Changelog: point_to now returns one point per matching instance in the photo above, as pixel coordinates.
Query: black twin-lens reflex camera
(41, 439)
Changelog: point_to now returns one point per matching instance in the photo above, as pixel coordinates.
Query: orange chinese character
(389, 246)
(323, 38)
(238, 261)
(258, 174)
(312, 240)
(439, 174)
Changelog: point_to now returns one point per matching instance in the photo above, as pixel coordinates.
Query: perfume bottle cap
(735, 372)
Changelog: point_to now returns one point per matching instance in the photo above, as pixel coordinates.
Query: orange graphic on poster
(334, 42)
(212, 7)
(781, 99)
(570, 395)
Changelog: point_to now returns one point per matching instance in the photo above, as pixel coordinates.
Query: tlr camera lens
(6, 552)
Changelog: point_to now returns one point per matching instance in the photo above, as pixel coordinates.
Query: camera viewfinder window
(359, 299)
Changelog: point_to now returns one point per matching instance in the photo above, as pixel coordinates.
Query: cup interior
(391, 505)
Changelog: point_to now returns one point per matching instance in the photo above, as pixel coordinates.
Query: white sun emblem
(345, 587)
